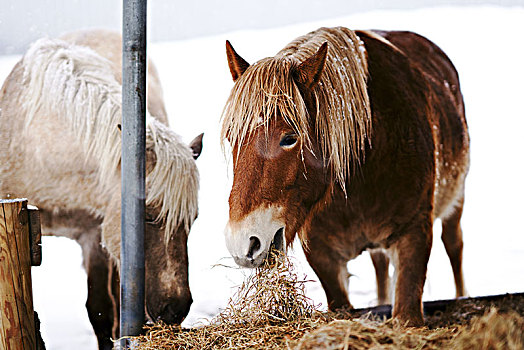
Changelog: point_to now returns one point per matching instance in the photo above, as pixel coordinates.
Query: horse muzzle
(250, 240)
(172, 311)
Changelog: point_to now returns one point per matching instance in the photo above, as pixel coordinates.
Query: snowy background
(486, 45)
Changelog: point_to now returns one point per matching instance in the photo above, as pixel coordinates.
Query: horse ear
(237, 65)
(196, 146)
(308, 72)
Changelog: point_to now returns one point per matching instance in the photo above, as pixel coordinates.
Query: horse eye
(288, 140)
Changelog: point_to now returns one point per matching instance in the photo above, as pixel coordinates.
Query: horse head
(171, 208)
(167, 294)
(279, 176)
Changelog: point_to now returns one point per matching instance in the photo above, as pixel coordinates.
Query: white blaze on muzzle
(250, 239)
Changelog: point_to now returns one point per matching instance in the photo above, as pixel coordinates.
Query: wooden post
(17, 324)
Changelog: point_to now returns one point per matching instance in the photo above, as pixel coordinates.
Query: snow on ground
(485, 44)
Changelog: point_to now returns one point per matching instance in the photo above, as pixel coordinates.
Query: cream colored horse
(61, 145)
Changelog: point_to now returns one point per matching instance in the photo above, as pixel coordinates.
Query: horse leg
(381, 263)
(333, 274)
(410, 256)
(100, 306)
(452, 238)
(114, 292)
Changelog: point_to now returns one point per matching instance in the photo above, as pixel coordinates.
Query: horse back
(429, 58)
(108, 44)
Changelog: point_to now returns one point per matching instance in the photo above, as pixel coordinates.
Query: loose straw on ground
(270, 311)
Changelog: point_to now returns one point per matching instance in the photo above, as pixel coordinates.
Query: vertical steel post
(132, 270)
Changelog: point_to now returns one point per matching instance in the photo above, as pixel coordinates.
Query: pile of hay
(268, 310)
(494, 330)
(271, 311)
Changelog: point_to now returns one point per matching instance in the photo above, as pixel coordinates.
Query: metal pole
(132, 271)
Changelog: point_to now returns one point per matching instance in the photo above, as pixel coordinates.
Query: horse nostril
(175, 312)
(254, 246)
(278, 240)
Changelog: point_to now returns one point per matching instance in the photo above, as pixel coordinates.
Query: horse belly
(79, 225)
(338, 228)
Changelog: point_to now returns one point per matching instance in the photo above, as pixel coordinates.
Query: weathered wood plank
(16, 312)
(430, 307)
(11, 335)
(36, 235)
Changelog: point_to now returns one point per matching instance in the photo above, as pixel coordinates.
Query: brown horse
(60, 111)
(355, 141)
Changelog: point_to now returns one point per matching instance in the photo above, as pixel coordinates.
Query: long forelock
(343, 121)
(264, 90)
(79, 86)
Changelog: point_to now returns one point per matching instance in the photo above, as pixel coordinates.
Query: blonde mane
(343, 120)
(79, 86)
